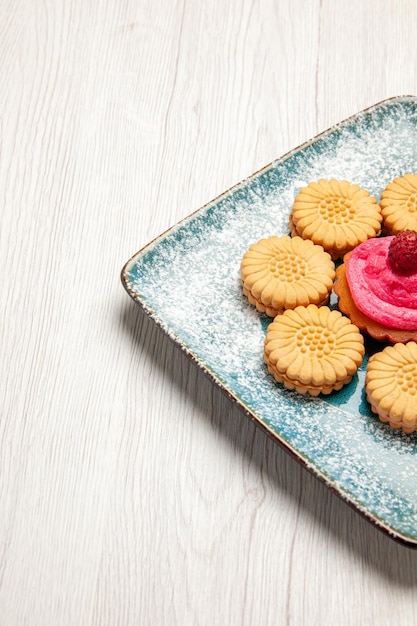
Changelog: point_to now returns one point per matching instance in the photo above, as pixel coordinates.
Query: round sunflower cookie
(281, 273)
(391, 385)
(398, 204)
(313, 349)
(335, 214)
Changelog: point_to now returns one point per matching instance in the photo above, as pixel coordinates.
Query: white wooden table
(131, 490)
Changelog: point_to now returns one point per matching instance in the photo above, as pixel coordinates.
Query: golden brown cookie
(391, 385)
(281, 273)
(313, 349)
(337, 215)
(399, 205)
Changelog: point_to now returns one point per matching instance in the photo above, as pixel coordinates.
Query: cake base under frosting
(385, 295)
(376, 330)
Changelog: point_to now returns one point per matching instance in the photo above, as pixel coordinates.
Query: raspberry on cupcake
(402, 252)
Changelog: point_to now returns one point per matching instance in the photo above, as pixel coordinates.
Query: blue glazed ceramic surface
(188, 282)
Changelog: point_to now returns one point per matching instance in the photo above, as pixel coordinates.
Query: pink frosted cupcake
(377, 287)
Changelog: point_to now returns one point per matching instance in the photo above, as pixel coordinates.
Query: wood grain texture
(131, 490)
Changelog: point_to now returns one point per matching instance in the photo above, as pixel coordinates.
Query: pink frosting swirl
(381, 293)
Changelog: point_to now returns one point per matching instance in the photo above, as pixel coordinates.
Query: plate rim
(379, 524)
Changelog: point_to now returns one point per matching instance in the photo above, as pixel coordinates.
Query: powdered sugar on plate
(188, 281)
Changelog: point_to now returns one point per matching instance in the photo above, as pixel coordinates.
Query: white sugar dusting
(190, 279)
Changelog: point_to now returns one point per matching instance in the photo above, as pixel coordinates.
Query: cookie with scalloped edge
(313, 349)
(335, 214)
(391, 385)
(279, 273)
(398, 204)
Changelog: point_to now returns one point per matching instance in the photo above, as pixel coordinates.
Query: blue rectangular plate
(188, 282)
